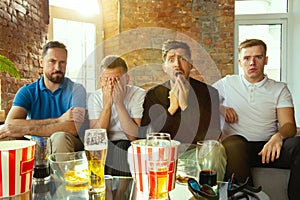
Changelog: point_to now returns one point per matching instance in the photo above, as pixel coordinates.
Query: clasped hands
(178, 95)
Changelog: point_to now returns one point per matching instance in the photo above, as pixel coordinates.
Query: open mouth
(178, 73)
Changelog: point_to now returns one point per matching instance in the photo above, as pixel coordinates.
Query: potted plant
(8, 66)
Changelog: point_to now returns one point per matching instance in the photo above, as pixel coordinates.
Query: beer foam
(95, 147)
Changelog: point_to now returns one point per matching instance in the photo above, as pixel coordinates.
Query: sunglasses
(234, 191)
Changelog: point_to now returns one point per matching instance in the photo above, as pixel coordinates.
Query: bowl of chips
(71, 168)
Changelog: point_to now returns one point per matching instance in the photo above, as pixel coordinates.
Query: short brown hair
(53, 44)
(113, 61)
(251, 43)
(175, 44)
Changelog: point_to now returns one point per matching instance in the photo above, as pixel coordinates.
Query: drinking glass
(95, 145)
(208, 153)
(158, 160)
(41, 171)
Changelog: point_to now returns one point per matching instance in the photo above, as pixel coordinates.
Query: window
(79, 37)
(76, 23)
(86, 7)
(260, 6)
(271, 28)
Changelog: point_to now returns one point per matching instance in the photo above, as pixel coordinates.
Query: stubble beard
(55, 79)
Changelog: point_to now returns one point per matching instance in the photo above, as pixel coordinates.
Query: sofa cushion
(274, 181)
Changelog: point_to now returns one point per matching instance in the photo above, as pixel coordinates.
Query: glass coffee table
(117, 188)
(121, 188)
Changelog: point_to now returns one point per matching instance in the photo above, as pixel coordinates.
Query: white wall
(293, 69)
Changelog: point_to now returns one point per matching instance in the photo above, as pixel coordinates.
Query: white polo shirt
(133, 101)
(255, 105)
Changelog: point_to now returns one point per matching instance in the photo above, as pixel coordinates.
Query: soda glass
(95, 145)
(208, 154)
(41, 171)
(158, 160)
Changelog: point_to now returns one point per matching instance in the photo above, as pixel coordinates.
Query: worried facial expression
(177, 63)
(252, 60)
(54, 64)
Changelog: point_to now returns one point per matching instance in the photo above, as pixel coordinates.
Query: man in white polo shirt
(259, 126)
(117, 107)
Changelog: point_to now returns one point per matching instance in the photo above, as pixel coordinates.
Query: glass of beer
(158, 160)
(95, 145)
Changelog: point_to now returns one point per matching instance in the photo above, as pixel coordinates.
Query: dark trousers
(242, 155)
(116, 160)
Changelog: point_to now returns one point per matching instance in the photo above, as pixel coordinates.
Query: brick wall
(133, 29)
(142, 26)
(23, 31)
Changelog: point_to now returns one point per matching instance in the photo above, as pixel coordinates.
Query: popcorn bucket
(16, 166)
(137, 159)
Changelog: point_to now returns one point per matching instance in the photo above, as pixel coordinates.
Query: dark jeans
(116, 160)
(242, 155)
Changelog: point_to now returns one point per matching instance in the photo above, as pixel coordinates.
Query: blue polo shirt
(41, 103)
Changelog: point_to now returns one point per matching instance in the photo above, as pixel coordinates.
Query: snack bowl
(71, 168)
(186, 168)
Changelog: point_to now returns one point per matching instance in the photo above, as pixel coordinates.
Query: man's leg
(116, 161)
(291, 147)
(62, 142)
(289, 159)
(238, 161)
(120, 163)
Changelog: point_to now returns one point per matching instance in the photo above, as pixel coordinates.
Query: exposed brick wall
(143, 25)
(23, 31)
(134, 29)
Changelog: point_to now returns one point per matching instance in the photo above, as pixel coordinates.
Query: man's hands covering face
(118, 91)
(107, 89)
(179, 94)
(113, 90)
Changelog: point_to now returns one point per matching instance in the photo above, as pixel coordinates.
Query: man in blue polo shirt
(53, 106)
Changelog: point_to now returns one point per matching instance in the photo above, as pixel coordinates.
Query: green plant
(8, 66)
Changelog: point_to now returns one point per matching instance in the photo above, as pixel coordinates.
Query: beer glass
(158, 160)
(95, 145)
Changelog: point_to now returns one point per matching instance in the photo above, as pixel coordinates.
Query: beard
(56, 79)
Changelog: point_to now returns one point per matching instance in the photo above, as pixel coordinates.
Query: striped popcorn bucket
(16, 166)
(137, 159)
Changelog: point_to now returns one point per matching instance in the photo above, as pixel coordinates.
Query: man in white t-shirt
(116, 107)
(259, 126)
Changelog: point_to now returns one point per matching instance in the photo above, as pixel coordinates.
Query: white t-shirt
(255, 105)
(133, 101)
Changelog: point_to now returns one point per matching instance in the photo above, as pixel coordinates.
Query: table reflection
(117, 188)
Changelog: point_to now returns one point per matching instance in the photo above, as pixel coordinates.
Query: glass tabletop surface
(117, 188)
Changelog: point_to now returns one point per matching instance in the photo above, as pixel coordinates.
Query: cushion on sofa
(274, 182)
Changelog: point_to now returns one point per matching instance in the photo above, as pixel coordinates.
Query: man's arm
(129, 125)
(272, 148)
(229, 114)
(69, 122)
(104, 119)
(105, 114)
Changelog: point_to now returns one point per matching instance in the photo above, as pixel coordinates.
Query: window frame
(263, 19)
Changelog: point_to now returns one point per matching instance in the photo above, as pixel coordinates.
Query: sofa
(274, 182)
